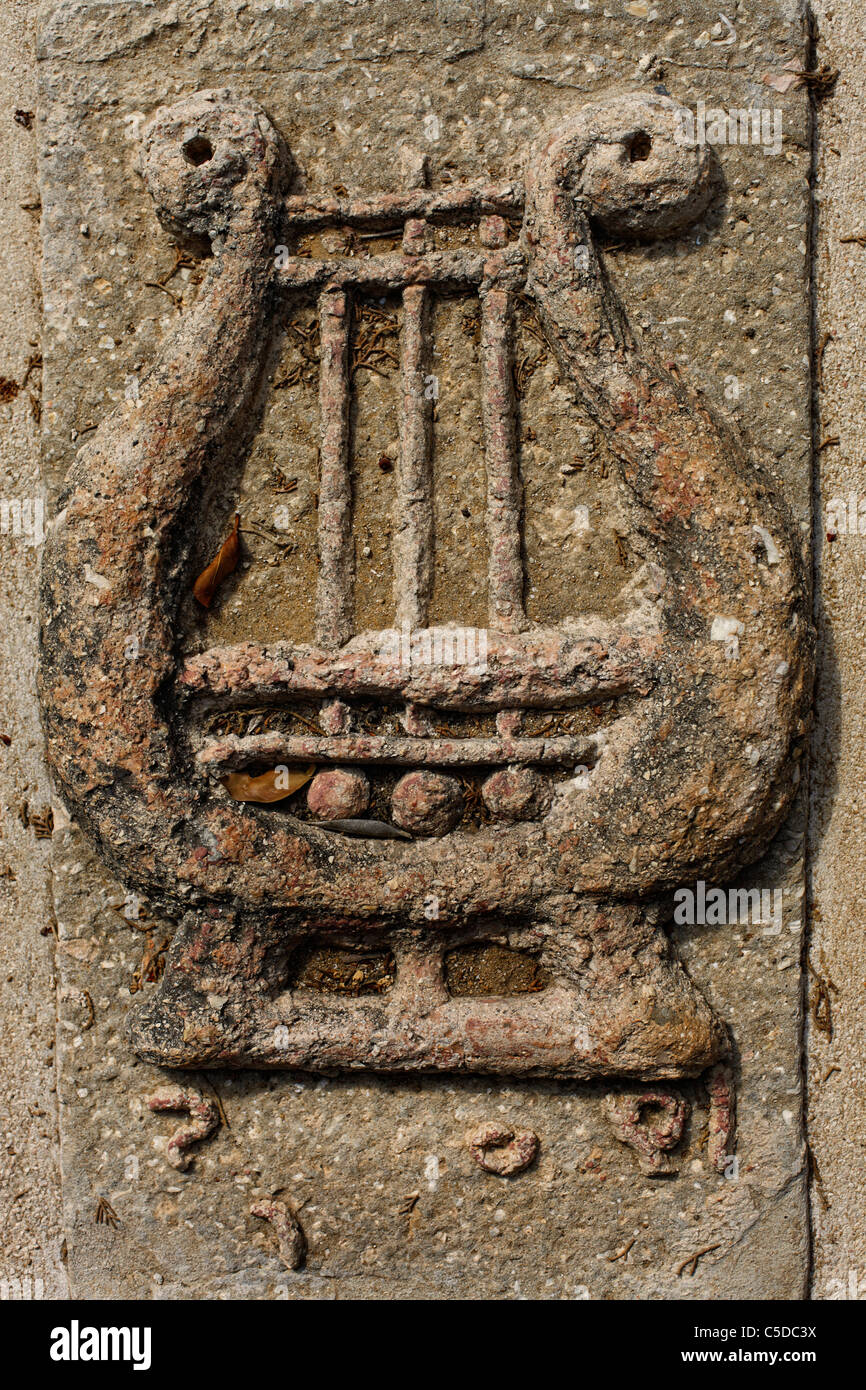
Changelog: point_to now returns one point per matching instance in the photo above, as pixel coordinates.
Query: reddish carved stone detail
(691, 781)
(517, 793)
(338, 792)
(291, 1241)
(501, 1150)
(427, 803)
(723, 1116)
(652, 1142)
(204, 1118)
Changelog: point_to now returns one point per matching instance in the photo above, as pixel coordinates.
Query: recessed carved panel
(505, 380)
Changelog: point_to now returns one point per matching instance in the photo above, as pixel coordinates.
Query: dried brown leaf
(225, 563)
(275, 785)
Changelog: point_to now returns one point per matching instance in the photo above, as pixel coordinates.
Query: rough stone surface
(721, 563)
(498, 1149)
(518, 793)
(652, 1140)
(291, 1241)
(426, 803)
(837, 1011)
(32, 1247)
(204, 1118)
(414, 1212)
(338, 793)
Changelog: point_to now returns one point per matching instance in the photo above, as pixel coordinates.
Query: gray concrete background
(33, 1239)
(837, 1101)
(30, 1216)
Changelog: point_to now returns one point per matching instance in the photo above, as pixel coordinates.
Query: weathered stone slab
(561, 464)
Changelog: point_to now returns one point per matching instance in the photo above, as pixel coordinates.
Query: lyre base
(584, 1006)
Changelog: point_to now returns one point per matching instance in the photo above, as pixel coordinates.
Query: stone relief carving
(707, 677)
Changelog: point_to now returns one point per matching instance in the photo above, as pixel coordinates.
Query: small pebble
(338, 794)
(427, 803)
(517, 793)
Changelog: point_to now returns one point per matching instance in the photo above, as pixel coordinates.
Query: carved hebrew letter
(585, 829)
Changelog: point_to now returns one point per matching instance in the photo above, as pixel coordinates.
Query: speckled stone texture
(31, 1216)
(837, 1035)
(376, 1170)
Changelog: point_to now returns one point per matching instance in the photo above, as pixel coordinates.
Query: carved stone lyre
(711, 664)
